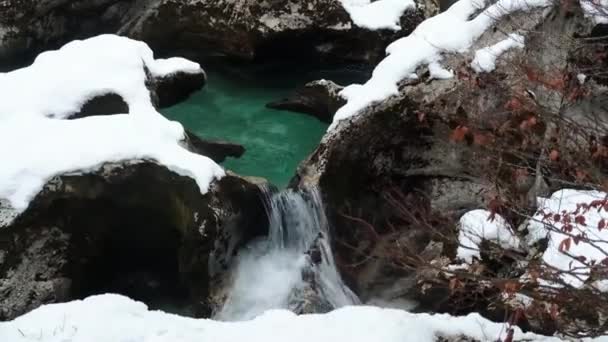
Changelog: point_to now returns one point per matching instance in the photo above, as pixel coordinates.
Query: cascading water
(270, 272)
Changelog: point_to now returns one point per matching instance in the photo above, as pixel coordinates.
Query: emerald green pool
(232, 107)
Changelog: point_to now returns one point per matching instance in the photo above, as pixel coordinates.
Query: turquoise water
(232, 107)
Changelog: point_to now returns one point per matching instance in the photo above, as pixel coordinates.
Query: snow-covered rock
(116, 318)
(485, 59)
(406, 168)
(57, 85)
(83, 185)
(381, 14)
(449, 32)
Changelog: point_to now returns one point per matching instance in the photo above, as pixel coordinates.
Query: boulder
(320, 99)
(244, 29)
(396, 177)
(134, 228)
(132, 225)
(166, 91)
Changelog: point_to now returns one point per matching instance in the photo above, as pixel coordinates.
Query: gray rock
(318, 98)
(244, 29)
(134, 228)
(395, 183)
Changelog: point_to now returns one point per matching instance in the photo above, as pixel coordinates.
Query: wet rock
(318, 98)
(215, 149)
(176, 88)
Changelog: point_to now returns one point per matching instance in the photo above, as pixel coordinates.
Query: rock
(134, 228)
(214, 149)
(308, 297)
(245, 29)
(395, 181)
(107, 104)
(318, 98)
(28, 27)
(173, 89)
(166, 91)
(264, 29)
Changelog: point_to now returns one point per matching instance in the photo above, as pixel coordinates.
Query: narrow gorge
(290, 170)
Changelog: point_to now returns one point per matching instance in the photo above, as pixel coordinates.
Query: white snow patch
(450, 31)
(581, 78)
(601, 285)
(597, 10)
(478, 225)
(39, 145)
(544, 225)
(381, 14)
(59, 82)
(116, 318)
(437, 71)
(485, 59)
(517, 300)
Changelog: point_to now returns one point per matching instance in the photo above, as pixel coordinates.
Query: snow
(39, 144)
(381, 14)
(597, 10)
(59, 82)
(116, 318)
(485, 59)
(447, 32)
(581, 78)
(439, 72)
(601, 285)
(476, 226)
(544, 225)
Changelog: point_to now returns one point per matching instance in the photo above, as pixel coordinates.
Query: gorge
(445, 179)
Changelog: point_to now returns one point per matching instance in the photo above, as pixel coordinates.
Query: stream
(232, 107)
(293, 266)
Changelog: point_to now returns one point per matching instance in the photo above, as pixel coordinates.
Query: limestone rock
(395, 182)
(245, 29)
(135, 228)
(320, 99)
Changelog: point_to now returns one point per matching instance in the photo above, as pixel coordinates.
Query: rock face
(318, 98)
(244, 29)
(396, 177)
(133, 228)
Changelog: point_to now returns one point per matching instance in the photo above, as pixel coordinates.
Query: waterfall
(295, 257)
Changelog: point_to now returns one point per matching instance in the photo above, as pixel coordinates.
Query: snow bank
(450, 31)
(37, 144)
(476, 226)
(485, 59)
(116, 318)
(381, 14)
(571, 208)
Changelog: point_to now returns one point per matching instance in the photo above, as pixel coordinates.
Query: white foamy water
(269, 270)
